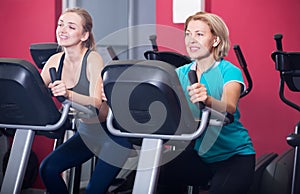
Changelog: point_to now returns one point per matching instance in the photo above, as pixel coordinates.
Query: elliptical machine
(288, 65)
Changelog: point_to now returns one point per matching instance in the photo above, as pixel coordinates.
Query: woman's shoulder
(228, 66)
(55, 58)
(94, 55)
(95, 59)
(53, 61)
(230, 71)
(226, 63)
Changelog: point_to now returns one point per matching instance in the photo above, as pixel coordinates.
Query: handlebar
(152, 39)
(243, 64)
(278, 39)
(82, 111)
(226, 118)
(53, 76)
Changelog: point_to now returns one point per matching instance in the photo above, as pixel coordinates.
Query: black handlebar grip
(193, 76)
(52, 72)
(53, 77)
(278, 38)
(193, 79)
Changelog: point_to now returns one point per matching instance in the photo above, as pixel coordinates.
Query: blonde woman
(223, 155)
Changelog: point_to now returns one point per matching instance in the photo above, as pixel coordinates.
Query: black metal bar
(243, 64)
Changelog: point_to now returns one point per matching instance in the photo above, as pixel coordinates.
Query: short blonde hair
(218, 28)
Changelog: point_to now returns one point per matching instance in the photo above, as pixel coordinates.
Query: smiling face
(199, 40)
(69, 30)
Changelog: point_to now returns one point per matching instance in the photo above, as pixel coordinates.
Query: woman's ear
(85, 36)
(216, 41)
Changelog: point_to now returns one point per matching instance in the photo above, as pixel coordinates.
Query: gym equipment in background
(40, 52)
(288, 65)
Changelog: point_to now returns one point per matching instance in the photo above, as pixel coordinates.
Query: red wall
(26, 22)
(252, 25)
(22, 23)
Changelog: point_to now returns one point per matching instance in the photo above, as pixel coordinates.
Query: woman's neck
(72, 66)
(204, 64)
(74, 54)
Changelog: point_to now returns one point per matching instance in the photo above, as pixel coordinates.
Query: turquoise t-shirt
(218, 143)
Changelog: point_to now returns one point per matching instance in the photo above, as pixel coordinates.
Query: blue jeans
(111, 151)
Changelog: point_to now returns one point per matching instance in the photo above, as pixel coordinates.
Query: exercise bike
(288, 65)
(28, 108)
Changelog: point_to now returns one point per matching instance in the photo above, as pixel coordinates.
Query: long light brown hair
(87, 24)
